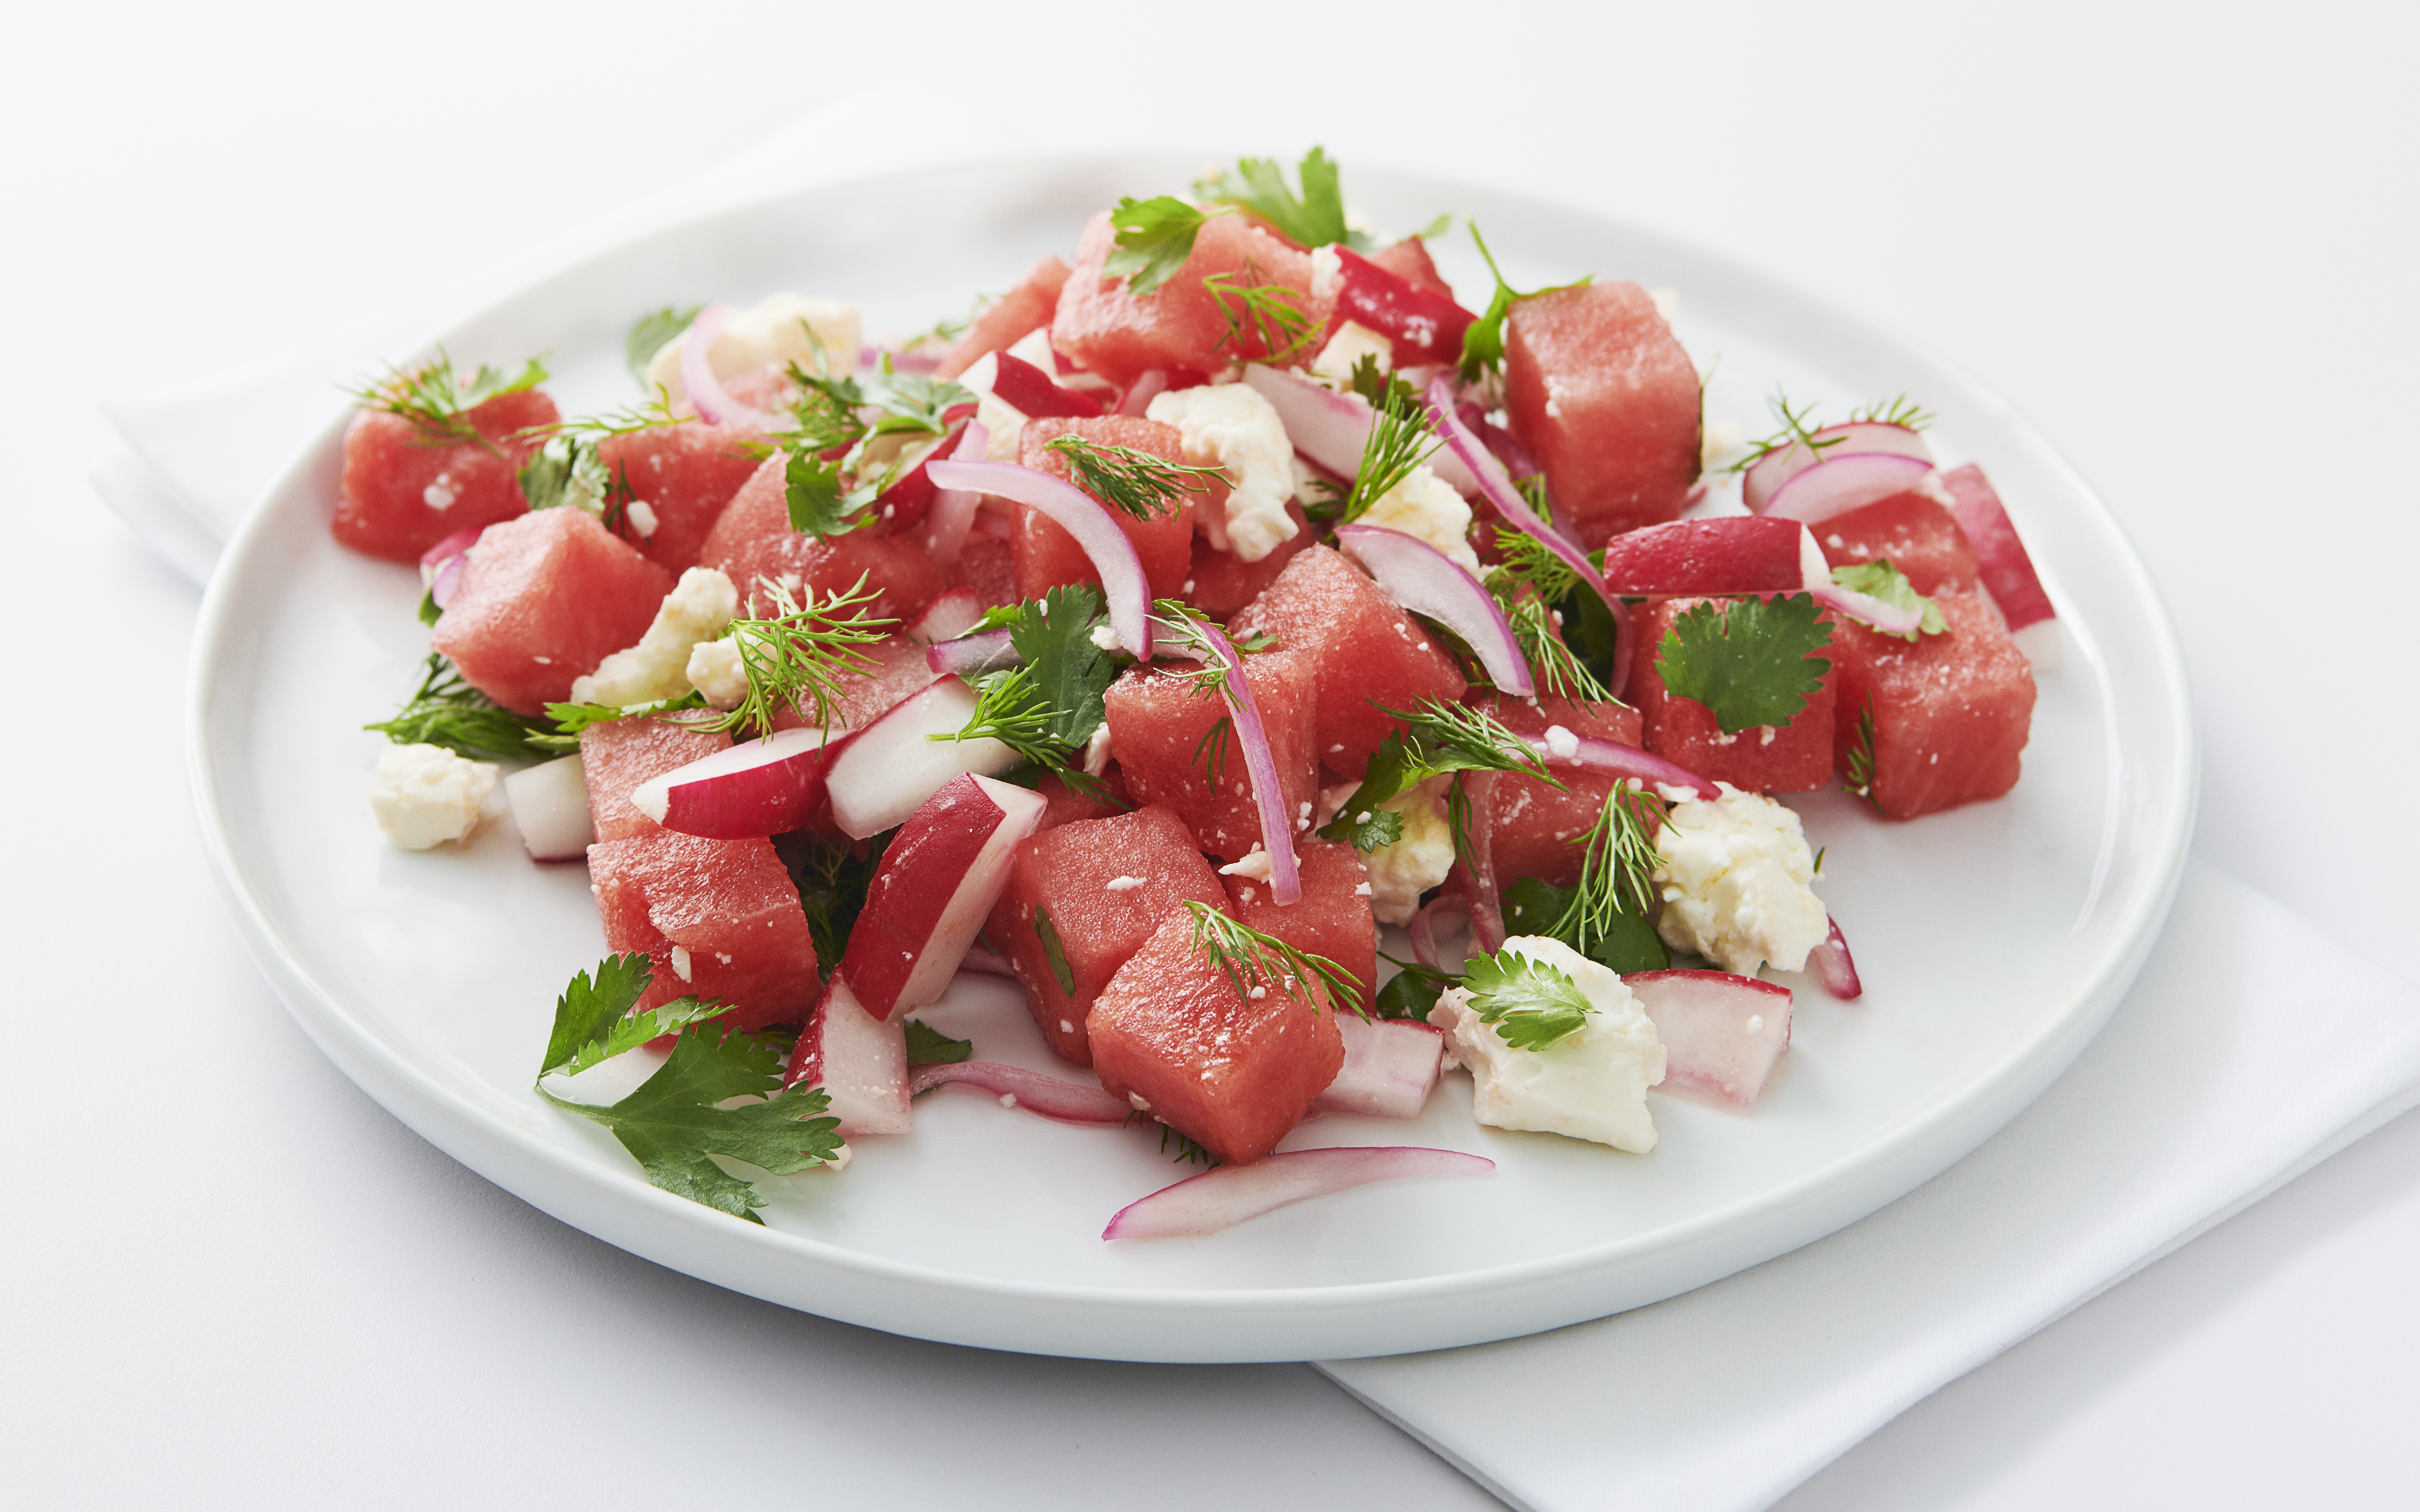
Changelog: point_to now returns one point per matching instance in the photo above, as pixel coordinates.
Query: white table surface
(2183, 243)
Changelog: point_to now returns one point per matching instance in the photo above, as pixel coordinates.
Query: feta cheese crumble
(1589, 1084)
(716, 671)
(1736, 882)
(1351, 342)
(425, 795)
(1416, 861)
(700, 607)
(1254, 865)
(780, 328)
(1427, 506)
(1233, 427)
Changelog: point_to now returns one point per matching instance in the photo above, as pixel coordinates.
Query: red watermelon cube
(398, 495)
(1950, 714)
(1047, 557)
(1183, 322)
(1536, 830)
(717, 917)
(1791, 758)
(1606, 400)
(1170, 746)
(619, 754)
(1409, 260)
(1171, 1035)
(1913, 531)
(685, 474)
(542, 599)
(1220, 582)
(1007, 320)
(1331, 918)
(753, 539)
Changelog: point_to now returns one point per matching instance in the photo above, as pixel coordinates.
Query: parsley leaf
(1532, 1005)
(448, 711)
(653, 333)
(592, 1022)
(1436, 738)
(1046, 707)
(1483, 345)
(929, 1046)
(1882, 580)
(1628, 943)
(1153, 239)
(1751, 661)
(817, 505)
(1259, 185)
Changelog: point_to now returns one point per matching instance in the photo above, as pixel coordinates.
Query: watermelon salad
(1303, 679)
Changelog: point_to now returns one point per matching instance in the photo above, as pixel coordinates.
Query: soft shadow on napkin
(2245, 1053)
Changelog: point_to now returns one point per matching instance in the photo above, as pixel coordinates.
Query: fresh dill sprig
(1125, 478)
(1616, 868)
(1253, 961)
(1437, 738)
(1858, 765)
(654, 414)
(1522, 557)
(1797, 429)
(1899, 411)
(1193, 642)
(1559, 672)
(445, 710)
(1266, 312)
(1190, 1151)
(799, 653)
(1402, 438)
(436, 402)
(571, 718)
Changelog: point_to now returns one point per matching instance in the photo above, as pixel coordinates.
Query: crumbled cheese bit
(441, 494)
(1736, 882)
(1351, 342)
(425, 796)
(715, 669)
(1426, 506)
(1233, 427)
(1122, 883)
(1326, 272)
(1589, 1084)
(1254, 865)
(773, 329)
(680, 962)
(1561, 743)
(700, 607)
(641, 516)
(1105, 638)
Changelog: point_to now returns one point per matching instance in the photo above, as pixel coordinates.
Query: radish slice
(982, 963)
(1846, 482)
(1890, 618)
(938, 880)
(1721, 1033)
(1591, 755)
(860, 1061)
(1425, 924)
(550, 809)
(1426, 581)
(1018, 1088)
(1831, 963)
(756, 788)
(1094, 528)
(1139, 394)
(2008, 571)
(444, 551)
(1277, 825)
(953, 509)
(1024, 387)
(1771, 470)
(707, 395)
(440, 583)
(1390, 1067)
(972, 655)
(1221, 1198)
(1512, 509)
(946, 618)
(893, 765)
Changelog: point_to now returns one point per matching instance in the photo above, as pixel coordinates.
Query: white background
(2180, 237)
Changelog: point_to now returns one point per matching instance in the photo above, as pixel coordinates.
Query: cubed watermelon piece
(1172, 750)
(1409, 260)
(1064, 805)
(1047, 557)
(1102, 885)
(754, 539)
(1791, 758)
(1535, 828)
(542, 599)
(717, 917)
(987, 567)
(1331, 918)
(1918, 536)
(397, 496)
(1181, 323)
(1367, 651)
(897, 669)
(1022, 311)
(1171, 1035)
(1950, 713)
(1220, 582)
(1607, 401)
(685, 474)
(619, 754)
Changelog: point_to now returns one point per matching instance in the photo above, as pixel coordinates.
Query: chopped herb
(799, 653)
(818, 505)
(567, 470)
(1858, 765)
(1210, 752)
(438, 404)
(1797, 429)
(1402, 438)
(1413, 990)
(654, 332)
(1266, 313)
(1882, 580)
(929, 1046)
(1434, 229)
(1125, 478)
(1251, 960)
(1046, 707)
(1190, 1151)
(1259, 185)
(1522, 557)
(571, 718)
(1052, 950)
(592, 1022)
(445, 710)
(1436, 738)
(833, 877)
(1558, 673)
(1483, 345)
(429, 612)
(1153, 239)
(1750, 660)
(1605, 917)
(1532, 1005)
(1375, 384)
(1900, 411)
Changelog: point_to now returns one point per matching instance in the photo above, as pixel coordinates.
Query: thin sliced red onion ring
(971, 655)
(1427, 582)
(953, 509)
(1018, 1088)
(1223, 1198)
(1075, 511)
(1277, 825)
(1425, 924)
(1834, 966)
(707, 395)
(1591, 755)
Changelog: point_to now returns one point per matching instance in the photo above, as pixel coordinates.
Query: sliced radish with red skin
(2006, 569)
(946, 618)
(1224, 1197)
(1845, 482)
(1024, 387)
(1588, 754)
(909, 501)
(550, 808)
(1261, 766)
(1890, 618)
(938, 881)
(1721, 1033)
(893, 765)
(953, 509)
(1771, 470)
(972, 655)
(1049, 1097)
(707, 395)
(1390, 1067)
(1141, 391)
(756, 788)
(1426, 581)
(1725, 554)
(1835, 968)
(1424, 326)
(983, 963)
(1095, 530)
(860, 1061)
(1329, 427)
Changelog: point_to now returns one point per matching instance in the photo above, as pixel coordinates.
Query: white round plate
(1995, 940)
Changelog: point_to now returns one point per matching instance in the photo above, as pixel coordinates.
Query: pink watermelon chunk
(1535, 829)
(685, 474)
(1010, 318)
(1409, 260)
(1181, 323)
(1918, 536)
(1607, 402)
(1171, 1035)
(1331, 918)
(542, 599)
(1220, 582)
(1366, 652)
(397, 496)
(619, 754)
(1168, 746)
(1065, 875)
(717, 917)
(1791, 758)
(1950, 713)
(1047, 557)
(753, 538)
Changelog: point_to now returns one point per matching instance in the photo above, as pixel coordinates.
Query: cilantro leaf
(1259, 185)
(1882, 580)
(1046, 708)
(817, 506)
(1413, 991)
(592, 1022)
(1751, 661)
(1532, 1005)
(929, 1046)
(1153, 239)
(1483, 345)
(445, 710)
(1436, 738)
(653, 333)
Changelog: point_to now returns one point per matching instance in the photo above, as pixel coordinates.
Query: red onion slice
(971, 656)
(1329, 427)
(1426, 581)
(1221, 1198)
(1075, 511)
(1591, 755)
(1390, 1067)
(448, 573)
(1835, 968)
(707, 395)
(1277, 825)
(1845, 482)
(1139, 394)
(982, 963)
(1424, 928)
(1721, 1033)
(1890, 618)
(1015, 1087)
(953, 509)
(1771, 470)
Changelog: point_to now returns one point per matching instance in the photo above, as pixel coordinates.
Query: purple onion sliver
(449, 572)
(1223, 1198)
(707, 395)
(953, 509)
(971, 655)
(1048, 1096)
(1591, 755)
(1426, 581)
(1835, 968)
(1095, 530)
(1277, 825)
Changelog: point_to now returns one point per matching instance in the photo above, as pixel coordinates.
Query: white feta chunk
(1231, 427)
(1736, 882)
(1254, 865)
(1326, 272)
(1351, 342)
(425, 795)
(1418, 860)
(716, 671)
(1589, 1084)
(1427, 506)
(700, 607)
(780, 328)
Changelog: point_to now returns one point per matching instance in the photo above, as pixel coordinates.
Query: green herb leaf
(1899, 411)
(1268, 312)
(592, 1022)
(1402, 438)
(1122, 477)
(1314, 218)
(1413, 991)
(653, 333)
(1154, 237)
(817, 506)
(571, 718)
(436, 402)
(929, 1046)
(1436, 738)
(1882, 580)
(1858, 765)
(448, 711)
(833, 877)
(429, 612)
(1798, 428)
(1436, 228)
(1046, 708)
(796, 656)
(1751, 661)
(1532, 1005)
(1250, 959)
(1483, 345)
(1047, 934)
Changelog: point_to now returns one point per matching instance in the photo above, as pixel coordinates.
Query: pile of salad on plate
(1152, 639)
